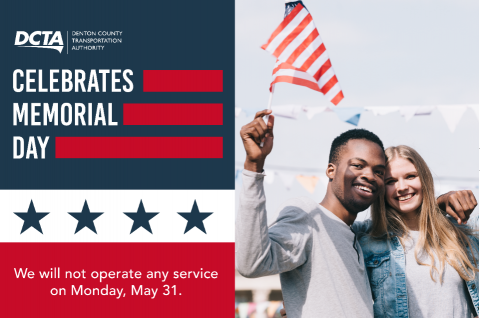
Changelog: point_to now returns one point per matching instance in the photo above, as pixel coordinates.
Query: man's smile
(365, 189)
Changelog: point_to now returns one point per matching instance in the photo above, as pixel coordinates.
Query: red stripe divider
(138, 147)
(172, 114)
(183, 81)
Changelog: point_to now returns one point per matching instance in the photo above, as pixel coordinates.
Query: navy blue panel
(190, 35)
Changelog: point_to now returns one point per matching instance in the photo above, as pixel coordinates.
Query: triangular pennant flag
(269, 176)
(408, 112)
(452, 115)
(349, 115)
(287, 111)
(308, 182)
(243, 310)
(354, 120)
(238, 110)
(474, 108)
(287, 178)
(382, 110)
(312, 111)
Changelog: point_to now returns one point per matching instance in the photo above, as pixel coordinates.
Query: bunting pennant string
(381, 110)
(425, 110)
(310, 178)
(408, 112)
(287, 111)
(312, 111)
(451, 113)
(349, 115)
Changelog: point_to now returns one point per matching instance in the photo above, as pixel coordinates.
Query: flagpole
(269, 107)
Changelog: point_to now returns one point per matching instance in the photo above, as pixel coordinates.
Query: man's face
(359, 174)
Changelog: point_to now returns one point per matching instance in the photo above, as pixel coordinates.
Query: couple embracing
(413, 258)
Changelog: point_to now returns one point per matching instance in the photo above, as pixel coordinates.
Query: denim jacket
(385, 263)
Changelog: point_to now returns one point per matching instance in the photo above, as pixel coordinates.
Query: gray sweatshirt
(321, 273)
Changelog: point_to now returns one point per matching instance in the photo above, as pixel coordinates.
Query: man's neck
(331, 203)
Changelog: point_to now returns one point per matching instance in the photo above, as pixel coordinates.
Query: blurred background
(408, 58)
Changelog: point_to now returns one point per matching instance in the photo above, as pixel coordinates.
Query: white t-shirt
(427, 298)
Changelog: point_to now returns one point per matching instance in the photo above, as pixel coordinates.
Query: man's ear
(331, 170)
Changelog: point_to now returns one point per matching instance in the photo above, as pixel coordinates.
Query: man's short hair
(342, 140)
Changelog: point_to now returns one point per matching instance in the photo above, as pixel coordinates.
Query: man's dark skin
(360, 165)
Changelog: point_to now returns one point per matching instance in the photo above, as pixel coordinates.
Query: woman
(420, 263)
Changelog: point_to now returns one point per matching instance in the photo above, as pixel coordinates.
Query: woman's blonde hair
(438, 236)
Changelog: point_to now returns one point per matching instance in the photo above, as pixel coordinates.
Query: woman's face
(403, 189)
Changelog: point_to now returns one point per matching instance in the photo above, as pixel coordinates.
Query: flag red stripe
(183, 81)
(284, 24)
(337, 98)
(292, 35)
(284, 66)
(299, 50)
(312, 58)
(296, 81)
(138, 147)
(322, 70)
(172, 114)
(328, 85)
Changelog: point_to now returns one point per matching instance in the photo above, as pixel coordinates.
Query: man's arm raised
(252, 135)
(261, 251)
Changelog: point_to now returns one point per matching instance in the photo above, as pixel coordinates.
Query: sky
(385, 53)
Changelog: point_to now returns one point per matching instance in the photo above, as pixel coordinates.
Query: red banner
(117, 280)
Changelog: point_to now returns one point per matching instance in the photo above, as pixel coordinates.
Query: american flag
(301, 55)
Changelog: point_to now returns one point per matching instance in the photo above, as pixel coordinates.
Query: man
(311, 245)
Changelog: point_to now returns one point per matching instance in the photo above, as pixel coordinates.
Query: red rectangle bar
(138, 147)
(183, 81)
(172, 114)
(83, 294)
